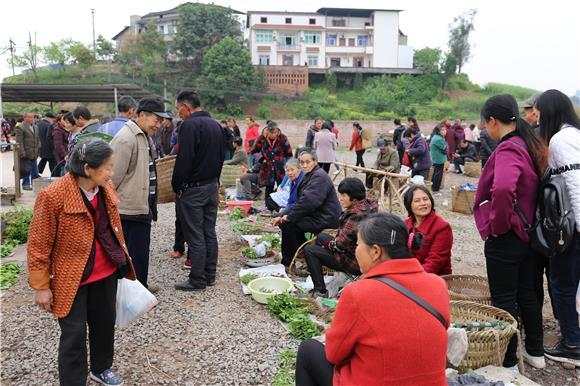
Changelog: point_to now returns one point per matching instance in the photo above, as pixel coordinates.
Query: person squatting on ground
(195, 180)
(136, 181)
(80, 291)
(506, 194)
(431, 236)
(378, 336)
(317, 208)
(337, 253)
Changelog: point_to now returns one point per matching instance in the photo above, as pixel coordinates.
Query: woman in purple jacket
(419, 152)
(505, 201)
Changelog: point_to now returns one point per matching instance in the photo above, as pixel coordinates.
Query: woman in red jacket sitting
(378, 335)
(431, 237)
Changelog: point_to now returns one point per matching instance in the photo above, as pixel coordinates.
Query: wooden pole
(16, 153)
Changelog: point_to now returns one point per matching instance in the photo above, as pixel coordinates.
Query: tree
(105, 49)
(58, 52)
(82, 55)
(227, 74)
(459, 31)
(200, 27)
(427, 60)
(28, 59)
(448, 68)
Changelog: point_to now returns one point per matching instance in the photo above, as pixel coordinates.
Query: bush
(470, 104)
(461, 82)
(263, 112)
(331, 81)
(15, 225)
(517, 91)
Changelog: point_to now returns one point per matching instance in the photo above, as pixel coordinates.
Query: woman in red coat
(431, 237)
(379, 336)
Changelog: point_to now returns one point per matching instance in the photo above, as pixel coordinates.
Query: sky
(530, 43)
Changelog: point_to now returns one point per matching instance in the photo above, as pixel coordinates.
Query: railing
(289, 47)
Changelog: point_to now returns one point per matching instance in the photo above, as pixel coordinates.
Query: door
(288, 60)
(358, 62)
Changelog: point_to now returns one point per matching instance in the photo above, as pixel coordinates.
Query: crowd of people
(106, 202)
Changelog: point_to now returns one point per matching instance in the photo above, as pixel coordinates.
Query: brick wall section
(296, 130)
(286, 80)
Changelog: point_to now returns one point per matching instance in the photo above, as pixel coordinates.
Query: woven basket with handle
(486, 347)
(468, 287)
(164, 169)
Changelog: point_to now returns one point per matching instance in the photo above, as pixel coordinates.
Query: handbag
(415, 298)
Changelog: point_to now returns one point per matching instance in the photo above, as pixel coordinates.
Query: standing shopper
(325, 143)
(398, 136)
(136, 181)
(252, 134)
(27, 138)
(274, 149)
(419, 153)
(76, 253)
(45, 127)
(560, 127)
(488, 145)
(195, 180)
(60, 138)
(356, 144)
(506, 195)
(438, 152)
(311, 133)
(127, 107)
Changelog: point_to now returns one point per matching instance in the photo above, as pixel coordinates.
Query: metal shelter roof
(69, 92)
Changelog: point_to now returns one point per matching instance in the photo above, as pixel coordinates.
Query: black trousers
(198, 207)
(42, 163)
(424, 173)
(437, 176)
(271, 204)
(94, 305)
(312, 367)
(512, 272)
(325, 166)
(359, 158)
(138, 239)
(292, 238)
(179, 242)
(316, 257)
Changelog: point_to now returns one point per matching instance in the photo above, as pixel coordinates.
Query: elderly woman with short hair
(76, 253)
(285, 196)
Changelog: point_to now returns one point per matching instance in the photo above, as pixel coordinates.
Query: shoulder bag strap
(418, 300)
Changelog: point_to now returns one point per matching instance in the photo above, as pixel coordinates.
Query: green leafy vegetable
(9, 274)
(15, 225)
(285, 376)
(273, 239)
(302, 327)
(248, 277)
(285, 307)
(7, 248)
(237, 214)
(249, 253)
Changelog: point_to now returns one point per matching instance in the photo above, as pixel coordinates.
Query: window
(287, 60)
(312, 61)
(362, 40)
(334, 62)
(351, 42)
(331, 40)
(287, 40)
(288, 20)
(264, 36)
(312, 21)
(161, 29)
(357, 62)
(312, 38)
(342, 41)
(263, 20)
(339, 22)
(367, 24)
(264, 60)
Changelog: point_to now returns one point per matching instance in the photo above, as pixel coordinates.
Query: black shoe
(27, 187)
(187, 286)
(564, 353)
(211, 283)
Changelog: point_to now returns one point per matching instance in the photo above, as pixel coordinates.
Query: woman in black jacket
(316, 209)
(487, 146)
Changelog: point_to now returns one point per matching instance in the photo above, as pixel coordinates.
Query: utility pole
(11, 44)
(94, 40)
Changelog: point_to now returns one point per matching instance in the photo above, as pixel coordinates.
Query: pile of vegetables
(247, 278)
(9, 275)
(293, 311)
(14, 224)
(285, 376)
(249, 253)
(237, 214)
(273, 239)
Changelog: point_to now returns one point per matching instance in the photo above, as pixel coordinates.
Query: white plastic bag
(133, 300)
(457, 345)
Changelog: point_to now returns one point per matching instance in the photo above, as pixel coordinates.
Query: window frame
(312, 21)
(359, 38)
(315, 57)
(288, 20)
(316, 35)
(332, 37)
(264, 19)
(260, 34)
(260, 57)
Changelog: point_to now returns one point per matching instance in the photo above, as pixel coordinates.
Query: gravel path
(216, 337)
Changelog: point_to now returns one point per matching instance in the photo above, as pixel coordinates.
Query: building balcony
(289, 47)
(346, 49)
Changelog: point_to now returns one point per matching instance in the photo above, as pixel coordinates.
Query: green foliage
(145, 56)
(285, 375)
(285, 307)
(358, 81)
(200, 27)
(461, 82)
(15, 225)
(7, 247)
(228, 74)
(302, 327)
(9, 275)
(82, 55)
(448, 68)
(330, 80)
(248, 277)
(28, 59)
(459, 30)
(237, 214)
(517, 91)
(428, 60)
(58, 52)
(249, 253)
(105, 49)
(263, 112)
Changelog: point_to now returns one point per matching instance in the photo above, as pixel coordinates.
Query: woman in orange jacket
(356, 144)
(76, 253)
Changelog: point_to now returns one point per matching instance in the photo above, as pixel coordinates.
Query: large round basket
(468, 287)
(485, 347)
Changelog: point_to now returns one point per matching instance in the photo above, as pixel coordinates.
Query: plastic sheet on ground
(307, 285)
(267, 270)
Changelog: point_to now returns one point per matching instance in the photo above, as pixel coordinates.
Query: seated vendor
(378, 336)
(250, 182)
(240, 157)
(337, 253)
(466, 152)
(387, 161)
(431, 235)
(286, 194)
(317, 208)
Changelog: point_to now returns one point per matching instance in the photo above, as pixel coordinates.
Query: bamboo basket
(468, 287)
(462, 201)
(164, 169)
(484, 347)
(472, 169)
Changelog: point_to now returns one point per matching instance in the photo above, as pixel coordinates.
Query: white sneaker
(537, 362)
(514, 370)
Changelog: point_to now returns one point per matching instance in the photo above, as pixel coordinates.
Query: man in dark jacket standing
(487, 146)
(27, 137)
(195, 180)
(317, 208)
(45, 127)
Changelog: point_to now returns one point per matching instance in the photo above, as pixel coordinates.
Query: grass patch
(9, 275)
(285, 376)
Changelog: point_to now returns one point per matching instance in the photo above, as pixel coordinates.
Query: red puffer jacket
(435, 252)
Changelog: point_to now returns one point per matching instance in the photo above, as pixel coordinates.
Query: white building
(329, 37)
